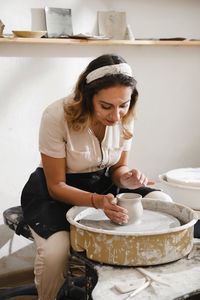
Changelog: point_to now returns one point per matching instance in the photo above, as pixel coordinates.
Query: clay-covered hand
(114, 212)
(133, 179)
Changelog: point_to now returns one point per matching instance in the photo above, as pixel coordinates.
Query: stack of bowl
(183, 185)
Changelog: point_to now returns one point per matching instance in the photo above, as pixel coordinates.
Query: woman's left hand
(133, 179)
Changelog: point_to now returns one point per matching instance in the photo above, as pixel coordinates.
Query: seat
(72, 288)
(13, 218)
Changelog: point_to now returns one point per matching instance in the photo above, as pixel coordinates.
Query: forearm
(116, 174)
(74, 196)
(70, 195)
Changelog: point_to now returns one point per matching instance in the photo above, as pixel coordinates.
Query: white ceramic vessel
(132, 202)
(183, 194)
(184, 176)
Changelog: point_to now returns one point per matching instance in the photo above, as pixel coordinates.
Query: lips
(111, 122)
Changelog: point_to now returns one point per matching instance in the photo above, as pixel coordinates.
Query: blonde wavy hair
(79, 111)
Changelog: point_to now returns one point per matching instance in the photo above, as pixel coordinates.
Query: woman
(84, 144)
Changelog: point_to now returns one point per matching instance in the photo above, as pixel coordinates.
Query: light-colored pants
(51, 263)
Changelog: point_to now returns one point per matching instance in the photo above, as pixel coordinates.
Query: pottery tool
(127, 287)
(152, 276)
(138, 290)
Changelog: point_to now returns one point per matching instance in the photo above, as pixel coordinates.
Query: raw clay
(151, 221)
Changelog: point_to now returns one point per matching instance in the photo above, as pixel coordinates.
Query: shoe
(76, 293)
(77, 280)
(71, 289)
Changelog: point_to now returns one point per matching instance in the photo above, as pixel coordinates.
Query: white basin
(183, 194)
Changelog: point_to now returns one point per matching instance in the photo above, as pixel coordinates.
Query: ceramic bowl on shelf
(29, 34)
(182, 192)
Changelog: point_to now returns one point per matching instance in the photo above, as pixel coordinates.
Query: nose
(115, 115)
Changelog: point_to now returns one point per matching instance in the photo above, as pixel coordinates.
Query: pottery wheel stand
(182, 279)
(113, 258)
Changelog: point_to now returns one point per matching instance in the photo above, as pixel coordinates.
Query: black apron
(46, 215)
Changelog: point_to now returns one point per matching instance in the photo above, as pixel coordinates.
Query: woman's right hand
(114, 212)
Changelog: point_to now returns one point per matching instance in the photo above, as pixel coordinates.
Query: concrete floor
(10, 281)
(26, 276)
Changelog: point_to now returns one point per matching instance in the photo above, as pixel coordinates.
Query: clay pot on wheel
(132, 202)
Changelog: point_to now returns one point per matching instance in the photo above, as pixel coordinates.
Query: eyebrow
(104, 102)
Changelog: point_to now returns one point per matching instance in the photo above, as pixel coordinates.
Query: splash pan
(165, 240)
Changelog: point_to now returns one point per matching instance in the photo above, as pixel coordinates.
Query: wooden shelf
(71, 42)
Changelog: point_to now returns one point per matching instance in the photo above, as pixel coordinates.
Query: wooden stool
(13, 218)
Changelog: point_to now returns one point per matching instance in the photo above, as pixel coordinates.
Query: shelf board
(71, 42)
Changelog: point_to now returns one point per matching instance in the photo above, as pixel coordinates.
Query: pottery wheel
(158, 239)
(151, 221)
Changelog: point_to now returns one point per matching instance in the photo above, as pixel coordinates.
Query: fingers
(114, 201)
(150, 183)
(110, 203)
(142, 179)
(116, 216)
(114, 212)
(119, 220)
(127, 175)
(136, 173)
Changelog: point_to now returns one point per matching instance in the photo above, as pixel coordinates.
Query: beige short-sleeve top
(82, 150)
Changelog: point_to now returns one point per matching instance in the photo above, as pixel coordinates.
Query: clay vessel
(132, 202)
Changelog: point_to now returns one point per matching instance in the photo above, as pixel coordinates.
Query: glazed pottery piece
(132, 202)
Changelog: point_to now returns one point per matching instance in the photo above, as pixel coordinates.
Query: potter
(84, 140)
(131, 202)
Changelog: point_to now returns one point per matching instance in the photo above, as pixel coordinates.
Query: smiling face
(111, 104)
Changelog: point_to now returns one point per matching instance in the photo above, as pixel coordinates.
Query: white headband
(122, 68)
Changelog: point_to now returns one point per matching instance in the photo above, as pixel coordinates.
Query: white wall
(167, 131)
